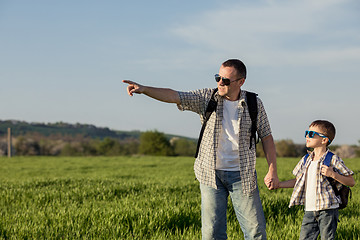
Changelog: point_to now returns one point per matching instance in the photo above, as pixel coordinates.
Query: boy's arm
(329, 172)
(287, 184)
(291, 183)
(284, 184)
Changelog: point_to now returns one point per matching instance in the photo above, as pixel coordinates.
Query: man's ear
(242, 81)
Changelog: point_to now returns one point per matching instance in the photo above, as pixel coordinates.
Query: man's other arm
(271, 179)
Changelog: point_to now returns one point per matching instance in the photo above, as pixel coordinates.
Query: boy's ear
(324, 141)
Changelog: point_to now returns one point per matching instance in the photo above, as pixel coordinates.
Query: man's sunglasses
(226, 81)
(311, 134)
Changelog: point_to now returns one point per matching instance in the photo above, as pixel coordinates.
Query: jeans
(248, 208)
(323, 222)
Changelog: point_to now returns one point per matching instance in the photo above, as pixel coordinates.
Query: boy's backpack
(253, 111)
(345, 192)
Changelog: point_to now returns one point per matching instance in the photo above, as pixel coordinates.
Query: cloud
(293, 32)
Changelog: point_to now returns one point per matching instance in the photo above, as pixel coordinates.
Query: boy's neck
(319, 152)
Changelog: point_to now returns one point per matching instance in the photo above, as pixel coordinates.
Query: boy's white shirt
(298, 196)
(310, 187)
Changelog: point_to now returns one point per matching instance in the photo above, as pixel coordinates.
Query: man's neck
(235, 97)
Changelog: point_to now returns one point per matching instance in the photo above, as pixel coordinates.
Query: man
(226, 161)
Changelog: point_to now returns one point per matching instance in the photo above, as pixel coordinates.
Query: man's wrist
(273, 169)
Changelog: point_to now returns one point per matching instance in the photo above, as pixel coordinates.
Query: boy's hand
(327, 171)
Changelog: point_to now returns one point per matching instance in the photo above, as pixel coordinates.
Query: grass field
(133, 198)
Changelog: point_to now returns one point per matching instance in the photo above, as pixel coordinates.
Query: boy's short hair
(327, 128)
(238, 65)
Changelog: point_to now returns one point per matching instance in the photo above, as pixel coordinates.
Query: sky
(65, 61)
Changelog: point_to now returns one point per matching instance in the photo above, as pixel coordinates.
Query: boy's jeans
(323, 222)
(248, 208)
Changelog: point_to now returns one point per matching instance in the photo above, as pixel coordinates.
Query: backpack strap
(345, 192)
(251, 101)
(305, 158)
(211, 107)
(328, 158)
(332, 181)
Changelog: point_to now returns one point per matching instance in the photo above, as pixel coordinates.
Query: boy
(311, 187)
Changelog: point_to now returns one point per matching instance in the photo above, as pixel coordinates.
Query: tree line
(149, 143)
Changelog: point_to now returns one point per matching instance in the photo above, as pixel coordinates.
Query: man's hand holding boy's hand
(271, 180)
(268, 183)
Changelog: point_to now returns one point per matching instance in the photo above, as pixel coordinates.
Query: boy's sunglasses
(311, 134)
(226, 81)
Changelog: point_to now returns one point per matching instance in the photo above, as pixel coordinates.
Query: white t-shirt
(228, 148)
(311, 178)
(310, 197)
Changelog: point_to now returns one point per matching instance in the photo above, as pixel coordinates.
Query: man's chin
(221, 93)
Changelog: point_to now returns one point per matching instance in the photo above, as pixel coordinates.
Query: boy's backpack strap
(251, 101)
(327, 162)
(211, 107)
(328, 158)
(344, 193)
(305, 158)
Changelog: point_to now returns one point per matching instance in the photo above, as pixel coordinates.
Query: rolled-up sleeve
(341, 167)
(263, 125)
(298, 168)
(194, 101)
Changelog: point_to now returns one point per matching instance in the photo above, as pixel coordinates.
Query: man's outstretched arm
(161, 94)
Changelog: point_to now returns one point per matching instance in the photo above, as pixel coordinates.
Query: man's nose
(221, 83)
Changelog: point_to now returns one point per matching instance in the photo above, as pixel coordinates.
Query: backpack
(345, 192)
(253, 111)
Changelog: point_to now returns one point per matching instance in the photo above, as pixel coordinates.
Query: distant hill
(20, 128)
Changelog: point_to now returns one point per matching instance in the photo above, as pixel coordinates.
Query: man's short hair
(238, 65)
(326, 127)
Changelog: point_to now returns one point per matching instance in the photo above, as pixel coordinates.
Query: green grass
(133, 198)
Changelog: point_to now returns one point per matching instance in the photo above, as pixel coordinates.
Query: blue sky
(64, 60)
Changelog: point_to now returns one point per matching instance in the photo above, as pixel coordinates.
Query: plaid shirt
(325, 195)
(205, 163)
